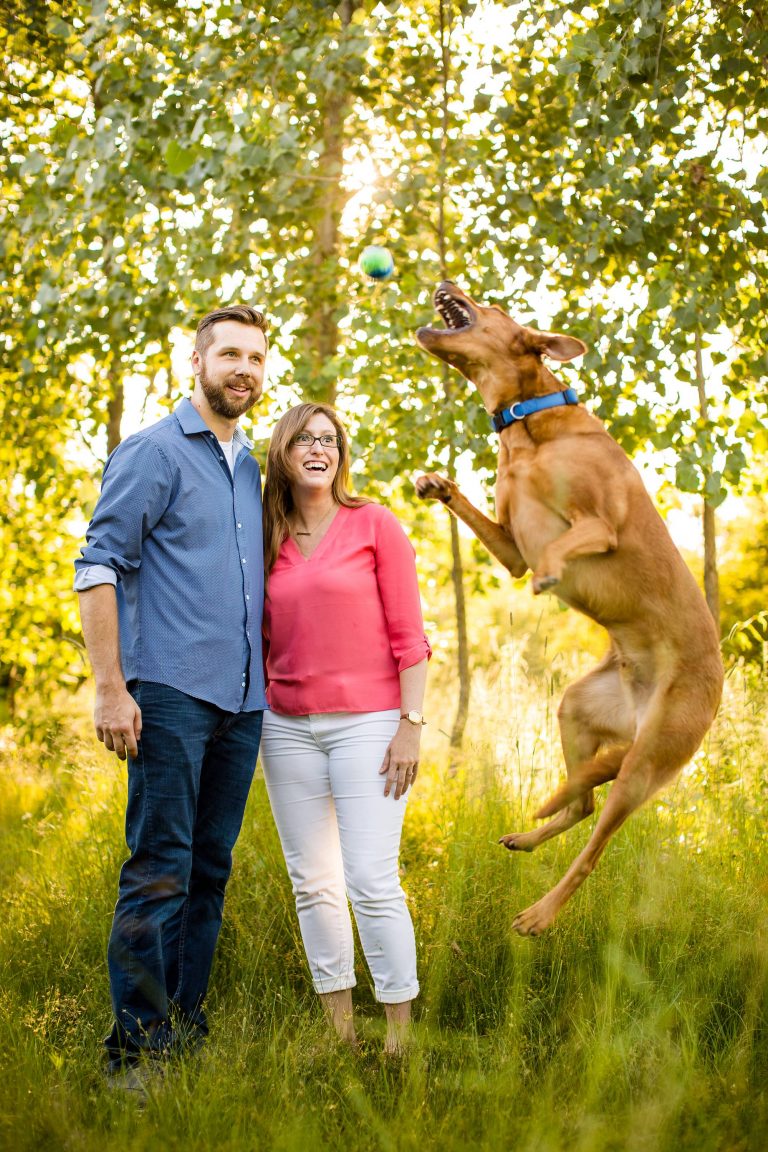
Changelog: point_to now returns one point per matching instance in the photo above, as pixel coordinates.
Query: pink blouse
(340, 626)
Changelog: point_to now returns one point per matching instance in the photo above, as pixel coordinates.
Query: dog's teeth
(454, 314)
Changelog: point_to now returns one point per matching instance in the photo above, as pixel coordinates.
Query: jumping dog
(572, 508)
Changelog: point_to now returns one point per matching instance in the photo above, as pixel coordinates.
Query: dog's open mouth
(455, 312)
(453, 344)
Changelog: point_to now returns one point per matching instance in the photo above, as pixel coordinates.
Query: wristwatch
(413, 717)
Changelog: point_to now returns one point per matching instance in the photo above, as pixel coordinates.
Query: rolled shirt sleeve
(136, 490)
(94, 575)
(399, 591)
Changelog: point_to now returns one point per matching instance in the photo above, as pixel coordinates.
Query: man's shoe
(135, 1080)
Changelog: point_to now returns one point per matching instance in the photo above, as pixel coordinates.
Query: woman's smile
(315, 462)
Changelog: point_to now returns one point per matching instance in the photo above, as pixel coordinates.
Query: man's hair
(241, 313)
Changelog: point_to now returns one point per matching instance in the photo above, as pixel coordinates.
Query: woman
(346, 660)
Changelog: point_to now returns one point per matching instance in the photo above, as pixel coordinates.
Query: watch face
(414, 717)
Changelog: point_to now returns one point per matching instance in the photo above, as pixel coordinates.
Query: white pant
(341, 836)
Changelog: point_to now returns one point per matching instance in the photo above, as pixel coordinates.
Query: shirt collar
(192, 422)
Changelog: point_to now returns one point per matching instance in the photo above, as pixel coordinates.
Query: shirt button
(247, 596)
(243, 560)
(239, 525)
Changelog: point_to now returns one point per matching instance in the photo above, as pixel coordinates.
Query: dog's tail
(605, 766)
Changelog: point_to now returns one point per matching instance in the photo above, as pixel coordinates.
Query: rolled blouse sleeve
(399, 591)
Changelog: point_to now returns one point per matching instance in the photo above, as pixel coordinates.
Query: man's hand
(117, 717)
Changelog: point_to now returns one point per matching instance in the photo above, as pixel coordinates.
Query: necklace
(319, 524)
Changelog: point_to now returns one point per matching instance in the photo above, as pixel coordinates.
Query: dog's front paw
(518, 841)
(434, 487)
(543, 583)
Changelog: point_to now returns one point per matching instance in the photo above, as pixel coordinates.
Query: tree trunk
(711, 580)
(322, 329)
(114, 411)
(457, 576)
(114, 377)
(457, 567)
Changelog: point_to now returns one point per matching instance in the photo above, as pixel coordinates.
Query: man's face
(231, 370)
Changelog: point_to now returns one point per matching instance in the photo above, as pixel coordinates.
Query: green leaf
(686, 476)
(179, 159)
(57, 27)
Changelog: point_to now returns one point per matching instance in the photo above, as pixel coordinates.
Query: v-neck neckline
(299, 556)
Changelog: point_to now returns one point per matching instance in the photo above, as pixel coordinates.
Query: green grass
(639, 1022)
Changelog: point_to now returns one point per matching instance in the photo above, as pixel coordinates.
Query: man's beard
(220, 402)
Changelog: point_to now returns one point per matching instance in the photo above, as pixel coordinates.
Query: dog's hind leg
(597, 726)
(567, 812)
(625, 796)
(660, 751)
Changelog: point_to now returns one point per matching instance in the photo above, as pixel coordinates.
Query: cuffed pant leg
(370, 825)
(296, 770)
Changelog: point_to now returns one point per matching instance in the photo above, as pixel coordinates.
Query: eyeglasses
(307, 440)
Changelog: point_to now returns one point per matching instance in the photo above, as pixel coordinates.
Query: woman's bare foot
(339, 1012)
(398, 1028)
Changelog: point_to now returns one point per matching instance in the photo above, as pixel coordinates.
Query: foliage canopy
(600, 167)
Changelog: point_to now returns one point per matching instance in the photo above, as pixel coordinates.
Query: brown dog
(573, 509)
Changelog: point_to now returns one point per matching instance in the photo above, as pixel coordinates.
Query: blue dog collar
(524, 408)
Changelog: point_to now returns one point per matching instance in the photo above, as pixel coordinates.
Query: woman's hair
(278, 501)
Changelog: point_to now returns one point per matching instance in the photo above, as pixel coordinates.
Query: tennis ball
(376, 262)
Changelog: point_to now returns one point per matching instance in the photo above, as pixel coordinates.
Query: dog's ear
(560, 347)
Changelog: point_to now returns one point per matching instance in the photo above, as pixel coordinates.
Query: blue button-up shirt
(182, 535)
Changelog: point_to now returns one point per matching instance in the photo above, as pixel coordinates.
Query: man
(171, 593)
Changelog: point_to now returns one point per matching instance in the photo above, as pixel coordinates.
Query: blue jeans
(187, 790)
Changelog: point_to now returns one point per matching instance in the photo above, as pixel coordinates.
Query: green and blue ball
(376, 262)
